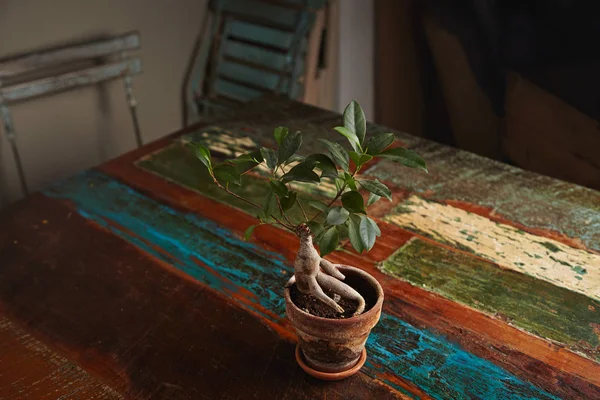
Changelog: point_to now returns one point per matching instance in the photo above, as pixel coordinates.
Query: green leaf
(342, 232)
(355, 121)
(351, 136)
(337, 152)
(289, 145)
(246, 162)
(329, 241)
(270, 157)
(368, 232)
(350, 181)
(353, 202)
(325, 164)
(228, 174)
(301, 173)
(294, 158)
(280, 133)
(339, 182)
(372, 198)
(288, 201)
(316, 228)
(354, 233)
(337, 216)
(359, 159)
(203, 154)
(406, 157)
(279, 188)
(376, 187)
(318, 205)
(379, 142)
(270, 204)
(249, 231)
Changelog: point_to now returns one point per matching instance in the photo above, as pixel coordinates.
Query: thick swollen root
(331, 269)
(317, 291)
(312, 274)
(330, 283)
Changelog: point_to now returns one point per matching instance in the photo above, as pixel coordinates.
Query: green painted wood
(532, 200)
(253, 76)
(235, 91)
(272, 14)
(258, 55)
(179, 165)
(531, 304)
(261, 34)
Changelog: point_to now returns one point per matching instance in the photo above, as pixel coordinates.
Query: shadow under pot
(330, 348)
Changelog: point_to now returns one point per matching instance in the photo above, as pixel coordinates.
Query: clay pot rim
(375, 309)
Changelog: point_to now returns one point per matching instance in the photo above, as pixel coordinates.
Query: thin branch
(337, 196)
(302, 208)
(290, 187)
(283, 213)
(237, 196)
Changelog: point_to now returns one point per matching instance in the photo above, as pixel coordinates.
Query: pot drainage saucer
(330, 376)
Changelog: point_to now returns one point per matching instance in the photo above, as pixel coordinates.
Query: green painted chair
(249, 48)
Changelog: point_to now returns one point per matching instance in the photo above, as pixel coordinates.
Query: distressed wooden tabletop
(132, 280)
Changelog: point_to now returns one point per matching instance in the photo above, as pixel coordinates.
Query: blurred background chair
(252, 47)
(49, 71)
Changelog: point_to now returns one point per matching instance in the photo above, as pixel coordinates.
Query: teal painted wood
(266, 34)
(218, 258)
(271, 14)
(261, 34)
(235, 91)
(258, 55)
(253, 76)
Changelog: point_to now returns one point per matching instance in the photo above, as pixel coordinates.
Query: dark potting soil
(316, 307)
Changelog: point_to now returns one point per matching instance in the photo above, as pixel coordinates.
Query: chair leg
(12, 139)
(132, 103)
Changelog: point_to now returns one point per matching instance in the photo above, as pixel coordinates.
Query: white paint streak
(509, 247)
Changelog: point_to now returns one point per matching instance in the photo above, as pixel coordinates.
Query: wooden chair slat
(17, 65)
(71, 80)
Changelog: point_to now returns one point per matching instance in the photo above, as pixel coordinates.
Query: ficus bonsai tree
(325, 222)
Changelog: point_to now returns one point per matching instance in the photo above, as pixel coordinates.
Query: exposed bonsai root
(310, 279)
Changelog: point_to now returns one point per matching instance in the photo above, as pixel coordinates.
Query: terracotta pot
(333, 349)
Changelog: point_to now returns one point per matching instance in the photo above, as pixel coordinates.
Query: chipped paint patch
(504, 245)
(534, 305)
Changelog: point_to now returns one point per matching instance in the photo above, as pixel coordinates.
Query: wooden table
(131, 280)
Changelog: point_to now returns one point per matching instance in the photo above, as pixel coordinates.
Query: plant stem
(337, 196)
(283, 212)
(237, 196)
(302, 208)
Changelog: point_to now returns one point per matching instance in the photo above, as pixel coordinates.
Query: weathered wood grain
(505, 245)
(179, 238)
(69, 80)
(564, 372)
(22, 64)
(147, 329)
(531, 304)
(535, 203)
(29, 370)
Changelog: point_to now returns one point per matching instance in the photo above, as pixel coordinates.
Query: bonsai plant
(332, 307)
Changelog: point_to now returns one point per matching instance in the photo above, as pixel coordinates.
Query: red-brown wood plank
(139, 325)
(539, 361)
(29, 370)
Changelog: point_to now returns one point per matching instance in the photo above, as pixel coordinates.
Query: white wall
(64, 133)
(356, 65)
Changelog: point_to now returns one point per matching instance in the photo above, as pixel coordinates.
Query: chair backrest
(252, 47)
(49, 71)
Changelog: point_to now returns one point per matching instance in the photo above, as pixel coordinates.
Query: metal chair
(54, 70)
(249, 48)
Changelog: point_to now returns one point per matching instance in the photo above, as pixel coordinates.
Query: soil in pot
(316, 307)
